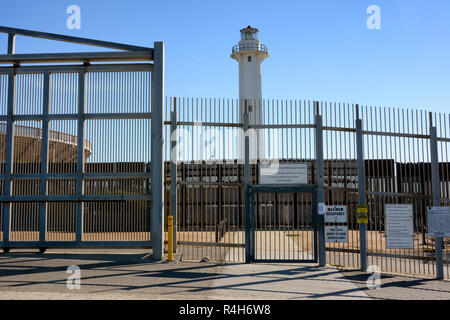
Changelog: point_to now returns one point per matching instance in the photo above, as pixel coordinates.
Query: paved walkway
(132, 274)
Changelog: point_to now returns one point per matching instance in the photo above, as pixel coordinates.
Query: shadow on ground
(399, 287)
(134, 274)
(137, 274)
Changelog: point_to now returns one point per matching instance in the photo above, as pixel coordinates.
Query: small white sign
(321, 208)
(283, 173)
(439, 222)
(336, 214)
(399, 226)
(336, 233)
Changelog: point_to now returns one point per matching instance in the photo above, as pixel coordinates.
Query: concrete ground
(400, 287)
(132, 274)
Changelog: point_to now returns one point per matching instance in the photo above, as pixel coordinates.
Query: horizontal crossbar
(75, 198)
(285, 189)
(74, 244)
(90, 175)
(84, 57)
(71, 39)
(75, 116)
(210, 244)
(72, 68)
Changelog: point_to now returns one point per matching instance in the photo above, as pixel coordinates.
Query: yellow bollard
(170, 240)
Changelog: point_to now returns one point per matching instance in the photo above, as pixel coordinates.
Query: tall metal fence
(80, 146)
(83, 164)
(397, 170)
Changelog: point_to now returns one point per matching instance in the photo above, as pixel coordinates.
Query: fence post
(44, 161)
(173, 184)
(436, 198)
(11, 43)
(9, 147)
(320, 187)
(361, 189)
(248, 257)
(80, 155)
(157, 153)
(9, 151)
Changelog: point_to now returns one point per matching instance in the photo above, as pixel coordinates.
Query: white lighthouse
(250, 53)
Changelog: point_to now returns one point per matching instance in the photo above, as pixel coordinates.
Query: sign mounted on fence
(439, 221)
(336, 214)
(362, 218)
(399, 226)
(336, 234)
(321, 208)
(283, 173)
(362, 208)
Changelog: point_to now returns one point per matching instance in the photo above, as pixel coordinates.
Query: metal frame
(319, 180)
(248, 200)
(12, 32)
(251, 229)
(79, 68)
(173, 178)
(436, 199)
(85, 57)
(132, 53)
(361, 190)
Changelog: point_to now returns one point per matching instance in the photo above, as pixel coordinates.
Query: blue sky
(319, 49)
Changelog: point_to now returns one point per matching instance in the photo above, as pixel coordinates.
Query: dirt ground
(376, 241)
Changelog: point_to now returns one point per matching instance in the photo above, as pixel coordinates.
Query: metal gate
(81, 146)
(283, 224)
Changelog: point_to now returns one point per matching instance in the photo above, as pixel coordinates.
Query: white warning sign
(336, 214)
(399, 226)
(283, 174)
(439, 221)
(336, 233)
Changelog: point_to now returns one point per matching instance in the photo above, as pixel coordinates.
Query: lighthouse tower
(250, 53)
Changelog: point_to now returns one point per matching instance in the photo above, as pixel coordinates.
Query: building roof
(249, 28)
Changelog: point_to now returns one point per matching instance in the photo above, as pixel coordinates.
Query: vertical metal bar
(192, 189)
(11, 43)
(319, 179)
(157, 154)
(200, 207)
(80, 154)
(252, 226)
(173, 186)
(248, 257)
(361, 190)
(220, 216)
(436, 198)
(9, 151)
(44, 159)
(314, 222)
(446, 177)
